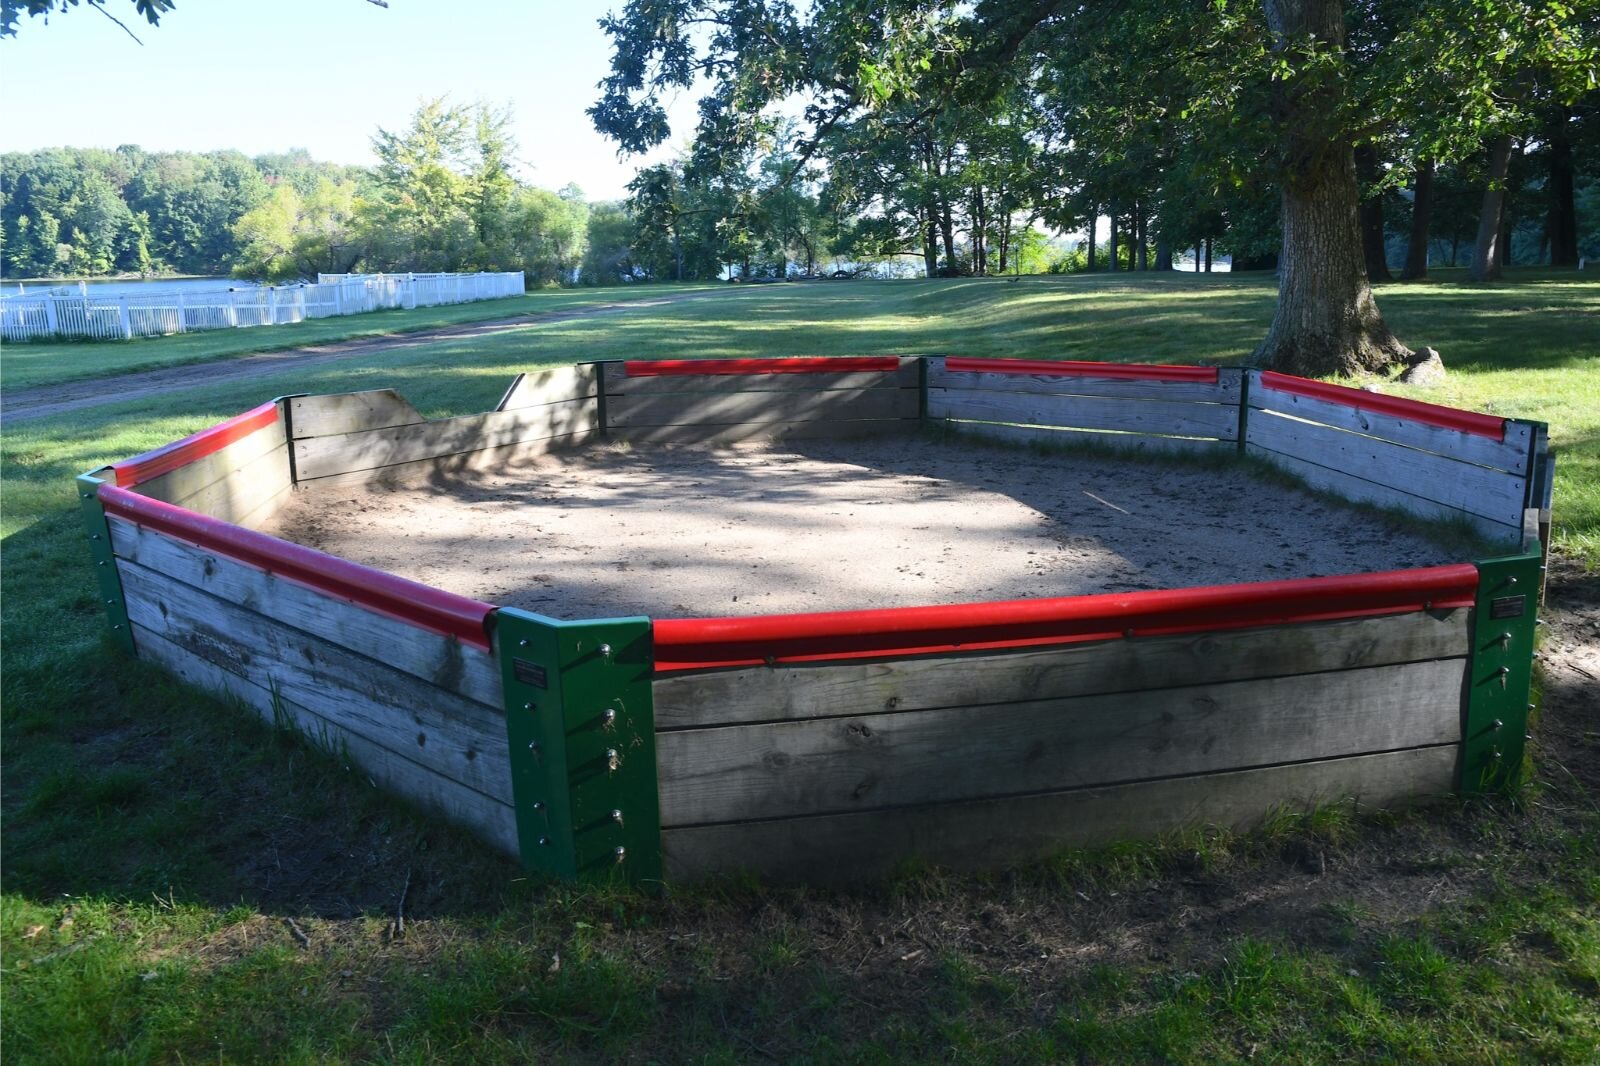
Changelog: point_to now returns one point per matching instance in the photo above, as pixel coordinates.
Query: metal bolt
(102, 562)
(538, 805)
(94, 536)
(1505, 641)
(1496, 724)
(1511, 579)
(1494, 753)
(608, 717)
(621, 853)
(530, 706)
(613, 760)
(544, 842)
(605, 651)
(616, 816)
(533, 746)
(111, 603)
(118, 626)
(522, 643)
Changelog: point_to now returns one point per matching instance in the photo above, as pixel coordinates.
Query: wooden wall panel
(1010, 831)
(788, 769)
(802, 691)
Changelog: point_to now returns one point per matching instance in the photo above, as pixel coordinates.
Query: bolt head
(616, 816)
(522, 643)
(1496, 724)
(544, 842)
(538, 805)
(605, 651)
(621, 853)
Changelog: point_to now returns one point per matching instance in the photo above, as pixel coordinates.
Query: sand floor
(834, 525)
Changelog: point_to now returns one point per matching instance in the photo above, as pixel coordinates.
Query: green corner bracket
(581, 724)
(105, 562)
(1499, 673)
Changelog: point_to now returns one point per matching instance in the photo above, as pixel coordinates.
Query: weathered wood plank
(788, 769)
(1019, 829)
(350, 412)
(458, 738)
(224, 464)
(617, 383)
(1089, 412)
(430, 470)
(1361, 490)
(538, 387)
(791, 692)
(1493, 494)
(1046, 437)
(736, 408)
(1510, 454)
(753, 431)
(1224, 390)
(438, 660)
(251, 494)
(492, 820)
(345, 453)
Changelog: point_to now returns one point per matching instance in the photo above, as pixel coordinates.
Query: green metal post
(105, 563)
(1499, 673)
(581, 725)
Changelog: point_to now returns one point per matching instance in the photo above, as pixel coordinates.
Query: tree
(11, 11)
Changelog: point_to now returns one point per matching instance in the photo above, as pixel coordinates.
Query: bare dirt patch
(845, 525)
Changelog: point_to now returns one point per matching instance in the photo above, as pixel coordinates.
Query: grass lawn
(182, 883)
(25, 365)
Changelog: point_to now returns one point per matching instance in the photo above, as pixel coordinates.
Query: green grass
(156, 839)
(26, 365)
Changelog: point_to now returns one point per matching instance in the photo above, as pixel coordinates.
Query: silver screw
(533, 745)
(621, 853)
(544, 842)
(613, 760)
(1496, 724)
(538, 805)
(605, 651)
(616, 816)
(522, 643)
(608, 717)
(530, 707)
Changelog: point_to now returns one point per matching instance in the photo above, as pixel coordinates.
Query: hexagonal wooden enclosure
(835, 744)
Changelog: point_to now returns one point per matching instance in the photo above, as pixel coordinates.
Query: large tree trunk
(1111, 254)
(1488, 259)
(1421, 218)
(1140, 237)
(930, 244)
(1371, 216)
(1163, 254)
(1561, 228)
(1208, 255)
(1092, 220)
(1326, 321)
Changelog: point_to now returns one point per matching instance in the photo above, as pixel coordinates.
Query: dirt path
(21, 405)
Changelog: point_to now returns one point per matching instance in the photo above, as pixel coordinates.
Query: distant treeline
(442, 198)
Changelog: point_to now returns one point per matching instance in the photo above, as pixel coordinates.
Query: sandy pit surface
(836, 525)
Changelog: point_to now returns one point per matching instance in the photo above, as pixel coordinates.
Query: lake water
(121, 287)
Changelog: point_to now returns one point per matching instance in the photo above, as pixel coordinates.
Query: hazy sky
(265, 76)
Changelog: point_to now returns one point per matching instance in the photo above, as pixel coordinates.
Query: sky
(270, 75)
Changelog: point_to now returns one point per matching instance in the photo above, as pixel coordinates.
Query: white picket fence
(156, 314)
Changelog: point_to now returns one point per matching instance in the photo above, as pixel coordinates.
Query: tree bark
(1326, 321)
(1163, 254)
(1488, 260)
(1140, 237)
(1111, 256)
(1421, 218)
(1093, 219)
(1208, 255)
(1561, 227)
(1371, 216)
(930, 244)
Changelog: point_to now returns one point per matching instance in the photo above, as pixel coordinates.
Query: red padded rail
(169, 457)
(659, 368)
(409, 601)
(1071, 368)
(1480, 425)
(702, 643)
